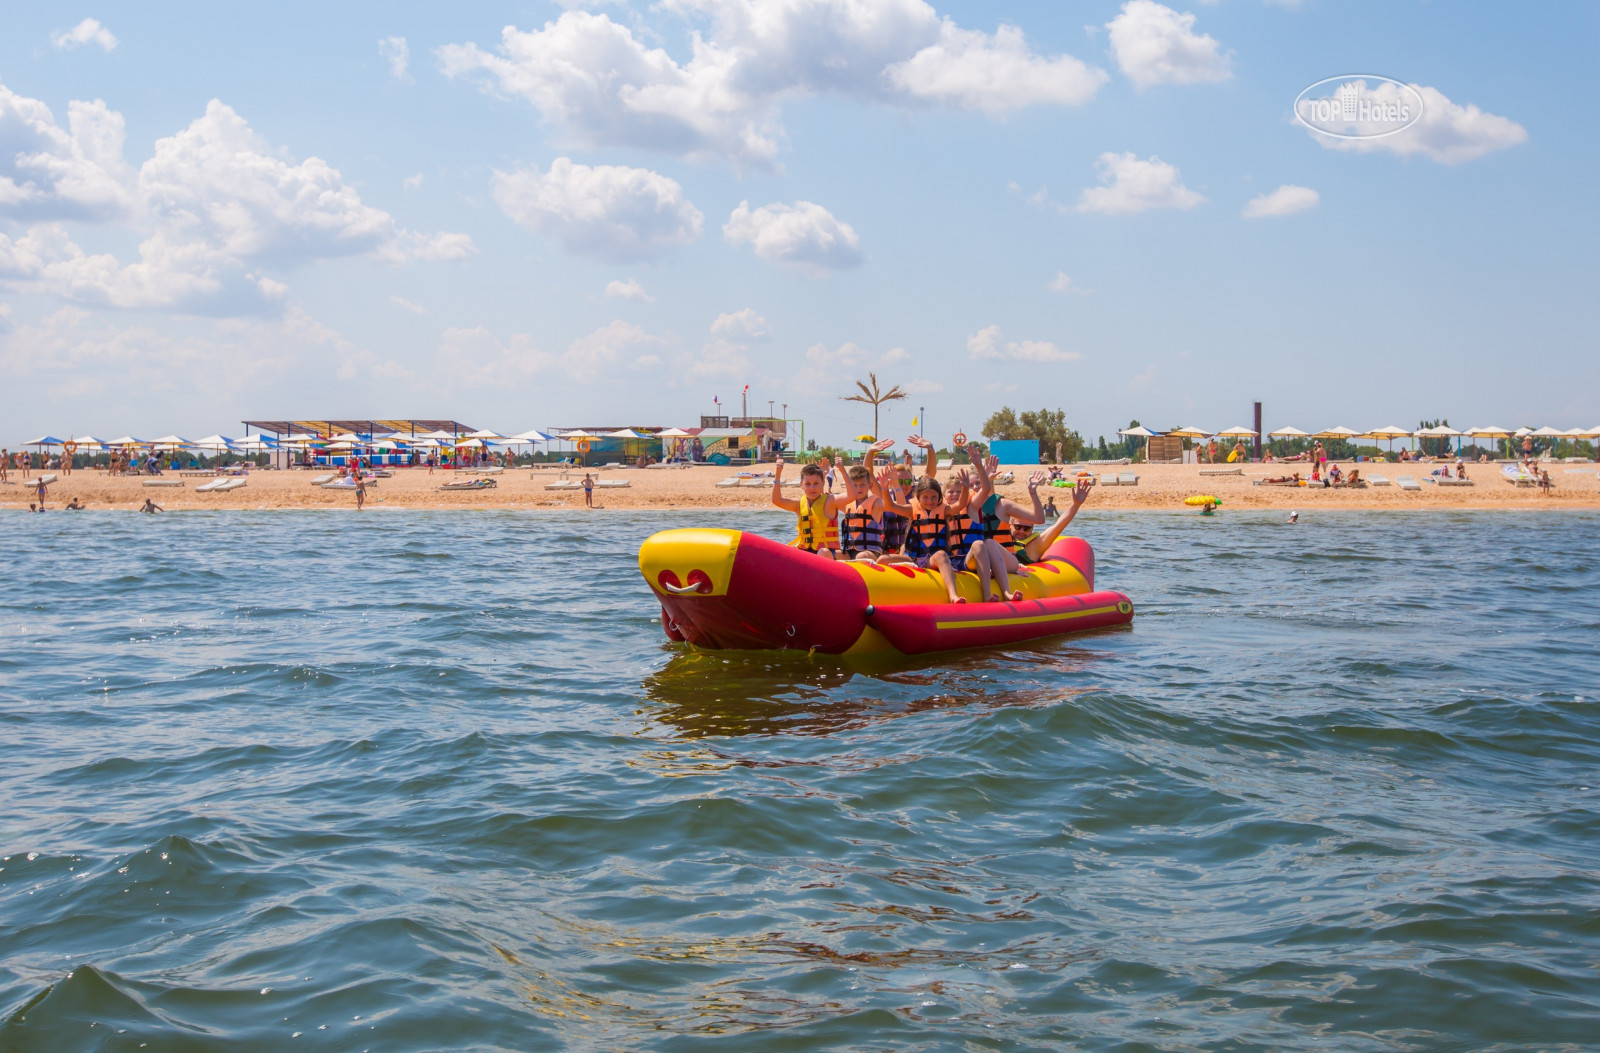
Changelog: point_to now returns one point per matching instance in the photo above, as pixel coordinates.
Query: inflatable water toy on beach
(726, 589)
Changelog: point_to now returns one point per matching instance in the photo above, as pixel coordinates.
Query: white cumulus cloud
(406, 305)
(611, 212)
(1132, 185)
(975, 71)
(213, 205)
(89, 31)
(804, 235)
(1062, 284)
(1447, 132)
(1286, 200)
(628, 290)
(50, 172)
(744, 326)
(597, 355)
(989, 343)
(397, 53)
(603, 86)
(1154, 44)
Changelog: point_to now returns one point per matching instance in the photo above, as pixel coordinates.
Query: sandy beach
(1160, 487)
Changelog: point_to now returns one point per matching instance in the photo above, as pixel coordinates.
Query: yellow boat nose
(690, 561)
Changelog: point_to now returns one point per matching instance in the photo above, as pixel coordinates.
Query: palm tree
(875, 397)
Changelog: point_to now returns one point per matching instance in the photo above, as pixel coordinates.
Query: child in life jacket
(817, 510)
(928, 536)
(1029, 547)
(998, 514)
(861, 521)
(969, 549)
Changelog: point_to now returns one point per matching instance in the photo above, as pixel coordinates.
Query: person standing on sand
(588, 490)
(361, 491)
(5, 463)
(41, 489)
(25, 462)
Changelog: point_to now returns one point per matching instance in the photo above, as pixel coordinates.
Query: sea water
(400, 781)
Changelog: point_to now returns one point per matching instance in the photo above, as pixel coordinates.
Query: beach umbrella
(472, 444)
(255, 444)
(428, 444)
(1237, 433)
(1548, 432)
(126, 440)
(347, 436)
(1391, 433)
(1139, 431)
(169, 443)
(866, 438)
(1341, 432)
(44, 440)
(213, 443)
(1289, 433)
(484, 434)
(442, 436)
(1490, 432)
(1190, 433)
(623, 433)
(386, 445)
(672, 433)
(530, 437)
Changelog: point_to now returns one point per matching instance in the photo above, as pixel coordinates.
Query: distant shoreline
(1161, 487)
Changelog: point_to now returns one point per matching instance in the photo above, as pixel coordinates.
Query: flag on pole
(913, 422)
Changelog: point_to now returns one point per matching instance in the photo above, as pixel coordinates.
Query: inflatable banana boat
(726, 589)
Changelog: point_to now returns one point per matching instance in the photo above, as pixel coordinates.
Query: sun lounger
(1108, 479)
(1407, 482)
(196, 471)
(564, 484)
(725, 483)
(756, 483)
(1127, 478)
(613, 484)
(1264, 482)
(1442, 481)
(1580, 471)
(206, 488)
(471, 484)
(1222, 471)
(945, 465)
(1378, 480)
(163, 482)
(326, 477)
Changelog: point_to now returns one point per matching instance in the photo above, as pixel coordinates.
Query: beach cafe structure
(377, 441)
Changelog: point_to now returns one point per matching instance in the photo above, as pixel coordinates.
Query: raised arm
(931, 467)
(985, 485)
(788, 504)
(1037, 546)
(1009, 509)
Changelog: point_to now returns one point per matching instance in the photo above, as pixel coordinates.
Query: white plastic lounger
(1222, 471)
(206, 488)
(564, 484)
(163, 482)
(613, 484)
(725, 483)
(1108, 479)
(756, 483)
(329, 477)
(1442, 481)
(1378, 480)
(945, 465)
(1407, 482)
(1127, 478)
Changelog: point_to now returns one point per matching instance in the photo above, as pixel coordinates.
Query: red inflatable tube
(925, 627)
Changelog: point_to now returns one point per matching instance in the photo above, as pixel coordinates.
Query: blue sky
(615, 211)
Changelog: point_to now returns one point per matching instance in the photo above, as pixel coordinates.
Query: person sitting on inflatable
(818, 511)
(861, 521)
(998, 513)
(928, 539)
(968, 548)
(1029, 547)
